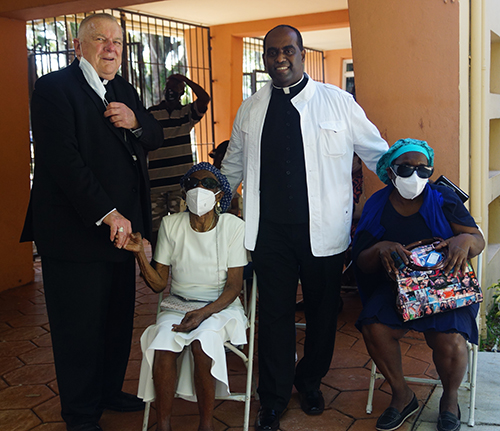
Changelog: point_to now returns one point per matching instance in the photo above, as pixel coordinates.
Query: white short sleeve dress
(199, 262)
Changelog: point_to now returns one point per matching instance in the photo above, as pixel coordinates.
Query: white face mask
(410, 187)
(200, 201)
(93, 79)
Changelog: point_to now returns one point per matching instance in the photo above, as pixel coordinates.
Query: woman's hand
(135, 244)
(191, 321)
(381, 253)
(388, 252)
(459, 251)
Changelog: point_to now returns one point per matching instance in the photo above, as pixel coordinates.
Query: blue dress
(381, 222)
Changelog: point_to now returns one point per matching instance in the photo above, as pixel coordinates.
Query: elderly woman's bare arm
(155, 278)
(231, 291)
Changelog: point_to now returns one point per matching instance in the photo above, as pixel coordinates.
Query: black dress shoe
(123, 402)
(447, 421)
(391, 419)
(90, 426)
(267, 420)
(312, 402)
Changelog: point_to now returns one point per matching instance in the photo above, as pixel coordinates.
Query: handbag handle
(430, 241)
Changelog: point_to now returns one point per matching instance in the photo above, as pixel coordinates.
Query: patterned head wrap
(224, 183)
(400, 147)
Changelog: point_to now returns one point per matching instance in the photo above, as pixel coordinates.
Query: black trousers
(283, 255)
(91, 311)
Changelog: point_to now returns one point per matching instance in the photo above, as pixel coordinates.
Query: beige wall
(406, 61)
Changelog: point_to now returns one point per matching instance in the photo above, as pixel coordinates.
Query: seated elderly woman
(183, 353)
(410, 209)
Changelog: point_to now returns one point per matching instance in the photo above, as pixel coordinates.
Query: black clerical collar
(294, 88)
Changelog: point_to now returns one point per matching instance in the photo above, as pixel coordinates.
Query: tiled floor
(28, 387)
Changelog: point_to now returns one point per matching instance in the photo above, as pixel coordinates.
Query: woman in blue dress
(410, 209)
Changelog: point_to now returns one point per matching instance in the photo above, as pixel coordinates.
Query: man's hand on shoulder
(120, 229)
(121, 115)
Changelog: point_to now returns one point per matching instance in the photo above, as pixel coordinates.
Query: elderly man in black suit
(90, 190)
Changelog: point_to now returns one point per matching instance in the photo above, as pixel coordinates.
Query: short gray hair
(82, 29)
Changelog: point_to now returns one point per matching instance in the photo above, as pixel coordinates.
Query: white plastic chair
(250, 310)
(471, 376)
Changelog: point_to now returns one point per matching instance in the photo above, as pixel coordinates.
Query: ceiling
(216, 12)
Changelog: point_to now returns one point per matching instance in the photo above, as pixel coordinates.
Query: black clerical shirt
(283, 186)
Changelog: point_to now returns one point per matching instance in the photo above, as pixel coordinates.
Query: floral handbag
(424, 289)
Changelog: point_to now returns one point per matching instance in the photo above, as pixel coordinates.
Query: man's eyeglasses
(406, 171)
(207, 182)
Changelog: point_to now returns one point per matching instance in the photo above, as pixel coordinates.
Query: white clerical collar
(286, 90)
(93, 79)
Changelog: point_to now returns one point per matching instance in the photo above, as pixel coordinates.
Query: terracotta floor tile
(12, 304)
(349, 358)
(5, 316)
(148, 308)
(135, 351)
(144, 321)
(23, 326)
(232, 413)
(130, 386)
(360, 347)
(49, 411)
(364, 425)
(344, 341)
(53, 385)
(420, 351)
(115, 421)
(42, 355)
(38, 300)
(344, 379)
(57, 426)
(43, 340)
(24, 397)
(9, 363)
(148, 299)
(34, 309)
(414, 367)
(27, 291)
(133, 370)
(136, 334)
(15, 348)
(23, 333)
(29, 320)
(353, 403)
(329, 394)
(18, 420)
(297, 420)
(31, 374)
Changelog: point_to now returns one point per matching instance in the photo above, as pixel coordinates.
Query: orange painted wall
(333, 65)
(406, 62)
(16, 264)
(228, 69)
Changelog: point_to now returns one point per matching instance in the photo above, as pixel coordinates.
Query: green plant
(493, 321)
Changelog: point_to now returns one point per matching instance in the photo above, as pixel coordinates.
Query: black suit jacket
(85, 167)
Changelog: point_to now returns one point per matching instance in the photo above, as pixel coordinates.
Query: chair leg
(369, 403)
(473, 377)
(251, 347)
(145, 421)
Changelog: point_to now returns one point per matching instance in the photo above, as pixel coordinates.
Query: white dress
(199, 263)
